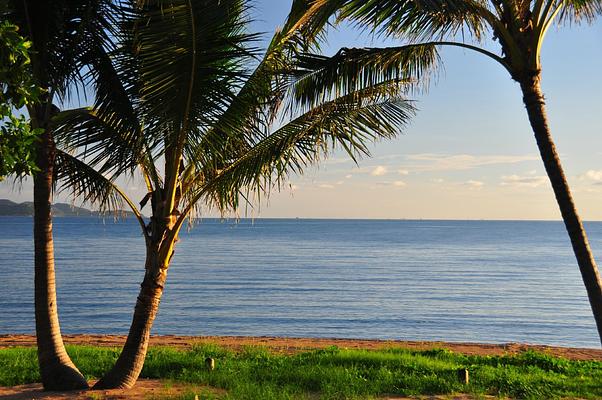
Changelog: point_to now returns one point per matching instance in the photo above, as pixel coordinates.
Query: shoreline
(292, 345)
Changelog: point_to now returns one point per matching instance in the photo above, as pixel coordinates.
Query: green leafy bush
(17, 139)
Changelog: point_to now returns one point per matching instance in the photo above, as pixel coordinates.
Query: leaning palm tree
(63, 34)
(190, 107)
(519, 26)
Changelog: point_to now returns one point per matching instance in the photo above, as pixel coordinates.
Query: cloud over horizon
(380, 170)
(474, 184)
(456, 162)
(524, 180)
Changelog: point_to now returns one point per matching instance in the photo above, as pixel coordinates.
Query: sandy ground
(146, 389)
(291, 345)
(151, 390)
(154, 389)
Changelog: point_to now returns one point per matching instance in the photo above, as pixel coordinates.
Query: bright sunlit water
(485, 281)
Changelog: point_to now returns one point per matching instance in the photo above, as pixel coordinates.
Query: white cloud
(379, 171)
(348, 176)
(326, 186)
(523, 181)
(337, 161)
(446, 162)
(437, 180)
(391, 183)
(592, 175)
(474, 184)
(403, 172)
(340, 182)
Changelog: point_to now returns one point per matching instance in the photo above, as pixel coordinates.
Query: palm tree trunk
(56, 368)
(535, 104)
(126, 370)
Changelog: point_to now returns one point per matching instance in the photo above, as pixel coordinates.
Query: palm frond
(105, 142)
(190, 59)
(420, 19)
(316, 15)
(416, 19)
(116, 106)
(305, 81)
(93, 29)
(256, 105)
(251, 111)
(84, 182)
(349, 122)
(63, 34)
(321, 78)
(576, 11)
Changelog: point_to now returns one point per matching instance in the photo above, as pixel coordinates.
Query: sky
(469, 153)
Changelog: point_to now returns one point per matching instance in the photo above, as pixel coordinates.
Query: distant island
(12, 209)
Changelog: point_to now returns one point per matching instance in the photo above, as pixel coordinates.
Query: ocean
(465, 281)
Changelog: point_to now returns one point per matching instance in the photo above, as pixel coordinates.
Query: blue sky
(469, 153)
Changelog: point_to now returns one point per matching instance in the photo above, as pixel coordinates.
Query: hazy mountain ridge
(10, 208)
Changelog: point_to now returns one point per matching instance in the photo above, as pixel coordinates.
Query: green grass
(333, 373)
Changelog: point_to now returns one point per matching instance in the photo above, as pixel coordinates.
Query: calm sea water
(485, 281)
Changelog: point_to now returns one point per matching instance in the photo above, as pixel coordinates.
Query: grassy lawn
(257, 373)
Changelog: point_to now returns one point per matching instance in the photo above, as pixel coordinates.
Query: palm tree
(519, 26)
(182, 91)
(63, 34)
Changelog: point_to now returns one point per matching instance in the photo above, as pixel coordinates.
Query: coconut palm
(186, 102)
(63, 34)
(519, 26)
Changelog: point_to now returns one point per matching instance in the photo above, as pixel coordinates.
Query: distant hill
(10, 208)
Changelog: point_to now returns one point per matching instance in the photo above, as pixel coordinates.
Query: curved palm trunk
(126, 370)
(535, 104)
(56, 368)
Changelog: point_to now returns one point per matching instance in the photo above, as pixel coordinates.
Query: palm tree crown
(186, 100)
(520, 27)
(64, 36)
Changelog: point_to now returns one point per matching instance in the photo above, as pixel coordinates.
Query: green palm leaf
(190, 58)
(348, 122)
(420, 18)
(255, 107)
(84, 182)
(106, 141)
(579, 10)
(65, 34)
(416, 19)
(322, 78)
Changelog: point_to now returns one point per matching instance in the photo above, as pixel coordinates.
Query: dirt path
(144, 389)
(290, 345)
(151, 390)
